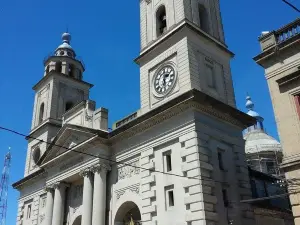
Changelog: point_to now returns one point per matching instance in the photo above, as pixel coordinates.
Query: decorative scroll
(128, 171)
(134, 188)
(42, 217)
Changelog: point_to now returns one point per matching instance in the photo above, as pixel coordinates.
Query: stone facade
(281, 59)
(179, 160)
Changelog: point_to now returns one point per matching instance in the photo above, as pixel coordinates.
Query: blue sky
(106, 36)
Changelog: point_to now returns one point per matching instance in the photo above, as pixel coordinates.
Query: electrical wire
(291, 5)
(110, 160)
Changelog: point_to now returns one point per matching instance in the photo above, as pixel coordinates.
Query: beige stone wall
(286, 116)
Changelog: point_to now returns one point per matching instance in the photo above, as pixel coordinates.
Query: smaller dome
(249, 103)
(66, 37)
(65, 49)
(253, 113)
(250, 107)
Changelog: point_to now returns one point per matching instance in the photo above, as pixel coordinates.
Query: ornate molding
(88, 117)
(174, 111)
(134, 188)
(128, 171)
(42, 217)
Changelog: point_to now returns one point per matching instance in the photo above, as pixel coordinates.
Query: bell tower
(185, 38)
(61, 88)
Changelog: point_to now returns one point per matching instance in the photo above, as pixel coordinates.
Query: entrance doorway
(128, 214)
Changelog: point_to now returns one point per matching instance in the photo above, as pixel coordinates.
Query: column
(49, 205)
(87, 199)
(59, 203)
(99, 202)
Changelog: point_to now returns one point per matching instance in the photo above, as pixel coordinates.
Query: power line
(110, 160)
(138, 167)
(291, 5)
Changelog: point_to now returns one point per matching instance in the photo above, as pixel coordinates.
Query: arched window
(36, 154)
(69, 105)
(58, 67)
(41, 115)
(161, 21)
(71, 71)
(203, 18)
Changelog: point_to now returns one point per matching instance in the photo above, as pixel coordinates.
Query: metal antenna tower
(4, 188)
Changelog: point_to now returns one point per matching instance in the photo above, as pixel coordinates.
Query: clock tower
(182, 48)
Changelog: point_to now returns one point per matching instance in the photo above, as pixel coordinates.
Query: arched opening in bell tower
(203, 18)
(71, 71)
(58, 67)
(128, 214)
(41, 114)
(161, 21)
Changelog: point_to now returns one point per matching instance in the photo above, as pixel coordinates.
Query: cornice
(193, 99)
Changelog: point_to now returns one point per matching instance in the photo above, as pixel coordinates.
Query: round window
(36, 155)
(62, 53)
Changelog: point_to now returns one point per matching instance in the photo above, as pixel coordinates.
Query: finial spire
(249, 103)
(66, 37)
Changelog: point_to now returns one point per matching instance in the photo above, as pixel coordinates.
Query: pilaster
(148, 183)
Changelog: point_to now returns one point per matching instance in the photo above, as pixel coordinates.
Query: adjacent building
(280, 57)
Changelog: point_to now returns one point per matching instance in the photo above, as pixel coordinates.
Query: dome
(253, 113)
(66, 38)
(258, 141)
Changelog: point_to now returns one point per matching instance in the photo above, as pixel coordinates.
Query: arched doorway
(128, 214)
(77, 221)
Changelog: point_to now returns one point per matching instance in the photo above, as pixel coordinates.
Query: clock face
(164, 80)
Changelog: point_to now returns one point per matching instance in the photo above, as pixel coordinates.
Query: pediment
(67, 139)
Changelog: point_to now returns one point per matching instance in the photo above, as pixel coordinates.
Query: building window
(69, 105)
(167, 161)
(169, 194)
(41, 114)
(220, 159)
(161, 21)
(58, 67)
(203, 18)
(297, 102)
(36, 155)
(28, 211)
(225, 197)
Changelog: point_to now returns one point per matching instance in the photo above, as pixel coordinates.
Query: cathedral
(178, 160)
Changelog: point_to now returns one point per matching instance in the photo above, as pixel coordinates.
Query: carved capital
(87, 172)
(101, 167)
(49, 188)
(60, 185)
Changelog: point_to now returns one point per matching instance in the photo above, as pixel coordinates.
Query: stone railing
(288, 31)
(125, 120)
(284, 34)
